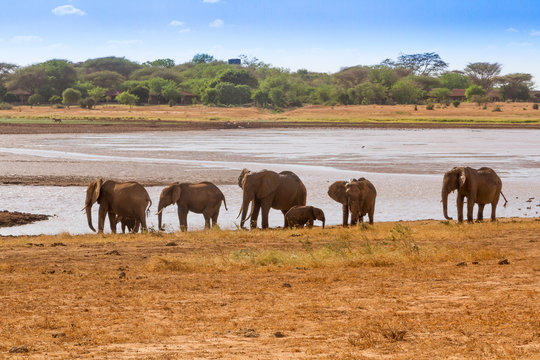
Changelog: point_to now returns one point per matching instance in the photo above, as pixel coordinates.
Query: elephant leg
(371, 213)
(470, 210)
(182, 217)
(101, 218)
(112, 221)
(345, 215)
(285, 222)
(494, 210)
(143, 222)
(206, 220)
(480, 216)
(309, 223)
(255, 214)
(265, 209)
(459, 200)
(215, 217)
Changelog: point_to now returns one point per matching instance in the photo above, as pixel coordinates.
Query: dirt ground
(17, 218)
(408, 290)
(118, 118)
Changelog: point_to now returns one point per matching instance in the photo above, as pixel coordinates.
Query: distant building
(235, 62)
(22, 95)
(457, 94)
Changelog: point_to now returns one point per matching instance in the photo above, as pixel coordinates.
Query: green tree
(515, 86)
(209, 96)
(350, 77)
(474, 90)
(161, 63)
(70, 96)
(127, 99)
(483, 74)
(440, 94)
(6, 69)
(61, 75)
(277, 97)
(28, 78)
(106, 79)
(115, 64)
(170, 92)
(426, 64)
(261, 98)
(34, 99)
(238, 77)
(454, 80)
(383, 75)
(97, 94)
(202, 59)
(370, 93)
(407, 92)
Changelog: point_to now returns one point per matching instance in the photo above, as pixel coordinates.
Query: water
(406, 167)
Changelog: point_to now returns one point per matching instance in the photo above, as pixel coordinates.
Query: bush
(34, 99)
(55, 99)
(497, 108)
(456, 103)
(58, 106)
(11, 98)
(5, 106)
(172, 102)
(429, 106)
(535, 106)
(87, 103)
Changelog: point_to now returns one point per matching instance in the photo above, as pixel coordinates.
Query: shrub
(87, 103)
(429, 106)
(55, 99)
(34, 99)
(172, 102)
(535, 106)
(5, 106)
(70, 96)
(497, 108)
(456, 103)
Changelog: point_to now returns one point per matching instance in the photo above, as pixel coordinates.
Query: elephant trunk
(323, 221)
(89, 217)
(161, 207)
(245, 204)
(444, 195)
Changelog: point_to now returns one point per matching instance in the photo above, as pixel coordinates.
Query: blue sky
(315, 35)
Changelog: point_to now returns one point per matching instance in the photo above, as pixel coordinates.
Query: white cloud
(512, 30)
(24, 38)
(520, 44)
(124, 42)
(176, 23)
(217, 23)
(534, 32)
(183, 31)
(67, 10)
(210, 1)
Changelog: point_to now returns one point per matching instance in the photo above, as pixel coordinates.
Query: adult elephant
(201, 198)
(357, 196)
(267, 189)
(482, 186)
(122, 199)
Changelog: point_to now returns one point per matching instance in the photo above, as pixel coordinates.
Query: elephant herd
(129, 202)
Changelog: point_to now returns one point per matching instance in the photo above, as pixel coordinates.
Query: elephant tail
(148, 208)
(505, 201)
(224, 202)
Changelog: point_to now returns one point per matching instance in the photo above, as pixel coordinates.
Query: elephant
(357, 197)
(299, 215)
(131, 224)
(201, 198)
(267, 189)
(123, 199)
(482, 186)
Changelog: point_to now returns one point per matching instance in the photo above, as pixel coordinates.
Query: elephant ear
(175, 193)
(268, 185)
(97, 190)
(337, 192)
(462, 177)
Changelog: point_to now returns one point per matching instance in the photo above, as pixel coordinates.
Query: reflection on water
(406, 166)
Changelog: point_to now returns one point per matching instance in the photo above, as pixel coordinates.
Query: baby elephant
(131, 224)
(299, 215)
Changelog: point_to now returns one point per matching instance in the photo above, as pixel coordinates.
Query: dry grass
(391, 290)
(466, 113)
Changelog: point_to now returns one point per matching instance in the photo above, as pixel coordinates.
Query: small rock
(463, 263)
(112, 252)
(19, 349)
(286, 285)
(171, 243)
(279, 334)
(295, 235)
(250, 333)
(122, 275)
(504, 262)
(57, 244)
(475, 262)
(59, 335)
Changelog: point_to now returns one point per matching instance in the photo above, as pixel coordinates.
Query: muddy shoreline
(15, 218)
(123, 126)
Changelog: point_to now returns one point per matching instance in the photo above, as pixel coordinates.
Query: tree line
(409, 79)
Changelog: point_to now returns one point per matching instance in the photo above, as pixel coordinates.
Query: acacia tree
(515, 86)
(482, 73)
(70, 96)
(426, 64)
(127, 99)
